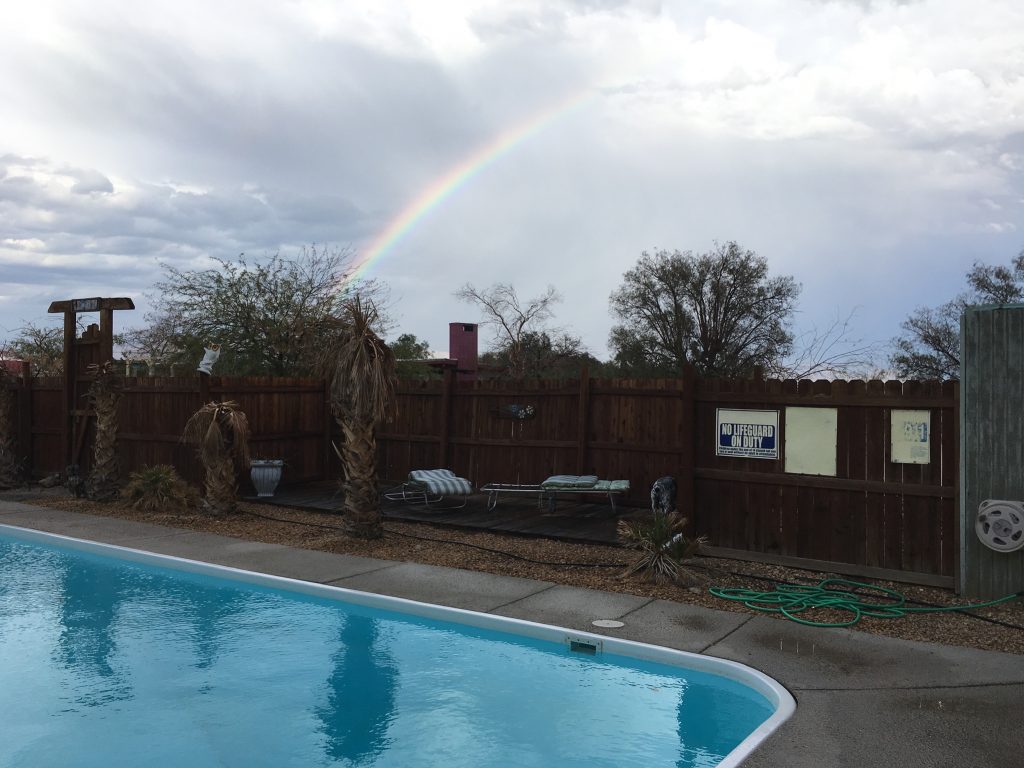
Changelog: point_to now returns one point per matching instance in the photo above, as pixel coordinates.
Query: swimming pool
(113, 657)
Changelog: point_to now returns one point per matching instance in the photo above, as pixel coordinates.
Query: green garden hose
(838, 595)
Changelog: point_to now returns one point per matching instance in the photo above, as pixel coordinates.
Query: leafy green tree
(269, 318)
(544, 356)
(719, 311)
(407, 349)
(929, 347)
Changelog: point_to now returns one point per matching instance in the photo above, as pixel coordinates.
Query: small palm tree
(9, 464)
(220, 432)
(104, 395)
(361, 369)
(663, 547)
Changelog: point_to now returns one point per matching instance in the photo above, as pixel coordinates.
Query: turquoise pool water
(106, 662)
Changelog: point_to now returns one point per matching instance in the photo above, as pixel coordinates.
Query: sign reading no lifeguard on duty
(748, 434)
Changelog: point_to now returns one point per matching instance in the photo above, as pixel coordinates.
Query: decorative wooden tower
(95, 346)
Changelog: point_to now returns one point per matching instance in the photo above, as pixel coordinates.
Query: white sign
(748, 434)
(911, 433)
(811, 440)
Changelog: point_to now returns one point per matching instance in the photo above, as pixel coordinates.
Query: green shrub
(662, 547)
(159, 489)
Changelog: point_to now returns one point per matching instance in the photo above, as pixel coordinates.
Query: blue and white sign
(748, 434)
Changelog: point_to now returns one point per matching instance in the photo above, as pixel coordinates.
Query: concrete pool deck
(862, 700)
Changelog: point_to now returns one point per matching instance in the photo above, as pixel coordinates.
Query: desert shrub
(662, 547)
(159, 489)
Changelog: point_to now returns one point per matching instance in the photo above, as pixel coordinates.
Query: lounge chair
(548, 490)
(431, 486)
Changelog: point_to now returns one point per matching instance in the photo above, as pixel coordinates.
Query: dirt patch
(578, 565)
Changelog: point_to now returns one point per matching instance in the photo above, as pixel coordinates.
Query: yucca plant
(10, 467)
(103, 396)
(361, 368)
(159, 488)
(662, 546)
(220, 432)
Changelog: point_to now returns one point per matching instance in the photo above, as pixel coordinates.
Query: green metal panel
(991, 439)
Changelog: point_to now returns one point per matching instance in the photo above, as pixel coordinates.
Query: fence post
(106, 335)
(959, 576)
(583, 422)
(68, 397)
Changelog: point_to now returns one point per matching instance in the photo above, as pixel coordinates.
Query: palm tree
(220, 432)
(103, 397)
(9, 465)
(361, 368)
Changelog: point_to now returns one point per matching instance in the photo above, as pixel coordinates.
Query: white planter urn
(266, 474)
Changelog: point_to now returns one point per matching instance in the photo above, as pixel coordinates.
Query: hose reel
(1000, 525)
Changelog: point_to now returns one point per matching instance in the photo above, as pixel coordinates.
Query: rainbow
(456, 177)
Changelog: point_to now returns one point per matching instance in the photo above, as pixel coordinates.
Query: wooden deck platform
(581, 521)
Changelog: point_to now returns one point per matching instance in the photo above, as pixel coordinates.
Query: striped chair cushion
(565, 482)
(441, 482)
(612, 485)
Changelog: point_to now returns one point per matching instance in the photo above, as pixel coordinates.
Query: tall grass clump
(662, 547)
(159, 488)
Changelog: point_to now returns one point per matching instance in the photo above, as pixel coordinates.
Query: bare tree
(929, 347)
(831, 352)
(517, 322)
(42, 347)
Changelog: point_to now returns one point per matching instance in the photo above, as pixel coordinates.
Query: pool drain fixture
(608, 623)
(1000, 525)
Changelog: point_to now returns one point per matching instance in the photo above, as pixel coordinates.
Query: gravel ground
(578, 565)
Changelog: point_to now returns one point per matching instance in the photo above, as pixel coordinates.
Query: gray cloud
(90, 181)
(872, 151)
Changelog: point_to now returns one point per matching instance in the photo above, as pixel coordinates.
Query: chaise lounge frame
(545, 495)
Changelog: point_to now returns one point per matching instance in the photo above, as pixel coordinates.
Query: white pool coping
(777, 695)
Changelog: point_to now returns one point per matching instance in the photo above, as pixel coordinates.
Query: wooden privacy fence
(881, 518)
(288, 417)
(872, 515)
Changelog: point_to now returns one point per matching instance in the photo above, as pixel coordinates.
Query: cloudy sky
(871, 149)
